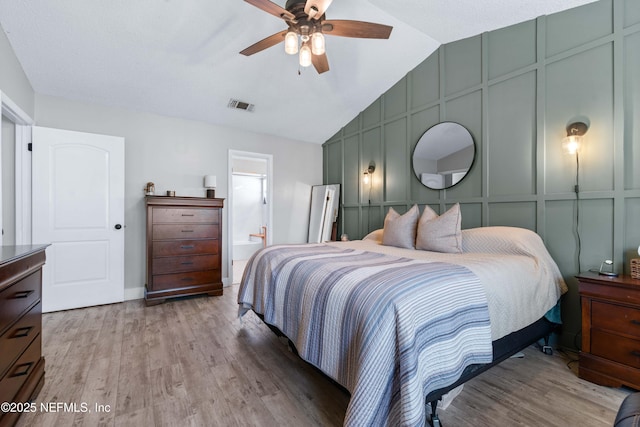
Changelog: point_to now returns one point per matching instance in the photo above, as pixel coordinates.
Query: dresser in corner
(21, 360)
(184, 247)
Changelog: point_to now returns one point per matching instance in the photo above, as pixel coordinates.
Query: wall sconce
(575, 131)
(210, 185)
(367, 178)
(571, 145)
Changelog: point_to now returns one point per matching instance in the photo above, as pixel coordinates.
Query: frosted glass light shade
(291, 43)
(305, 55)
(209, 181)
(317, 43)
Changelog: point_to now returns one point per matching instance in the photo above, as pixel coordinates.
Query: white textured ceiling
(180, 57)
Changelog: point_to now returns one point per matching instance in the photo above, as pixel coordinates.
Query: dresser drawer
(18, 337)
(161, 215)
(184, 231)
(185, 247)
(181, 280)
(614, 347)
(184, 263)
(616, 318)
(20, 371)
(17, 298)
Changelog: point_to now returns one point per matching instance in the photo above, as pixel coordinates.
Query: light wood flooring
(192, 362)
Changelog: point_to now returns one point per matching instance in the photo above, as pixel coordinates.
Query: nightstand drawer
(184, 263)
(184, 231)
(615, 318)
(185, 215)
(18, 337)
(616, 348)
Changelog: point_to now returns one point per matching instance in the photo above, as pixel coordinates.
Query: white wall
(13, 81)
(175, 154)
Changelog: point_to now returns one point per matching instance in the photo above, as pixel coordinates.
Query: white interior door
(78, 207)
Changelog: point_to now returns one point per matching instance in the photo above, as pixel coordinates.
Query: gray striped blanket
(389, 329)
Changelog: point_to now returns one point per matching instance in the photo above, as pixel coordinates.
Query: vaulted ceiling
(180, 58)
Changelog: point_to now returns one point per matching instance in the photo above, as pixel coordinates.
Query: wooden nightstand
(610, 353)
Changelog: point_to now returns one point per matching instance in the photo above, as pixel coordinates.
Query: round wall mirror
(443, 155)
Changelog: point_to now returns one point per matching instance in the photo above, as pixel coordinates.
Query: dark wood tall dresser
(184, 247)
(21, 361)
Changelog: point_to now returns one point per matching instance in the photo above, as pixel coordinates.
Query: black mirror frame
(473, 160)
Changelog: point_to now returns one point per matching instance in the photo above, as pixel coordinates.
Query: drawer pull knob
(187, 263)
(187, 214)
(187, 247)
(22, 294)
(187, 279)
(187, 231)
(22, 370)
(21, 332)
(635, 322)
(635, 353)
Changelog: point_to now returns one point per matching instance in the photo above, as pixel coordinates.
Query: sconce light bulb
(571, 144)
(365, 180)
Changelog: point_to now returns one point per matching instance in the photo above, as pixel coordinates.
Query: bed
(400, 327)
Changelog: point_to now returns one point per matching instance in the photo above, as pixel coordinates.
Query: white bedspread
(521, 279)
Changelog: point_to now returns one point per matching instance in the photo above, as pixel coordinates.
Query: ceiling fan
(307, 26)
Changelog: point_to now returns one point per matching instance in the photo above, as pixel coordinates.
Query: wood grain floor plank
(193, 362)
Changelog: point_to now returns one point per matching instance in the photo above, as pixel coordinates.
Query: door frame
(23, 123)
(236, 154)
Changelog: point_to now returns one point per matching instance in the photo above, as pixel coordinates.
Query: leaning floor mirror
(325, 201)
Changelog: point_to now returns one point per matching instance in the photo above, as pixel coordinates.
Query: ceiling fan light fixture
(304, 33)
(291, 43)
(317, 43)
(305, 55)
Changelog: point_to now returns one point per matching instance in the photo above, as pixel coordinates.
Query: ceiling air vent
(240, 105)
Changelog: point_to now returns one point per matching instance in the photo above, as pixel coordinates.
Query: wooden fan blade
(273, 9)
(320, 62)
(265, 43)
(316, 8)
(358, 29)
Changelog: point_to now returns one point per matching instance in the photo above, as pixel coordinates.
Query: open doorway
(250, 193)
(15, 173)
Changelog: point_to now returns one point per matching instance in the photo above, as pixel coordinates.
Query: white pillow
(375, 235)
(400, 230)
(440, 233)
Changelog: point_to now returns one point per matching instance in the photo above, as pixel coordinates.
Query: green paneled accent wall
(516, 89)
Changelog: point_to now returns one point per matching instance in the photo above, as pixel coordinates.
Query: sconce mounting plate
(577, 128)
(372, 167)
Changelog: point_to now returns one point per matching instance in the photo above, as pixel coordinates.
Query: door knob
(118, 226)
